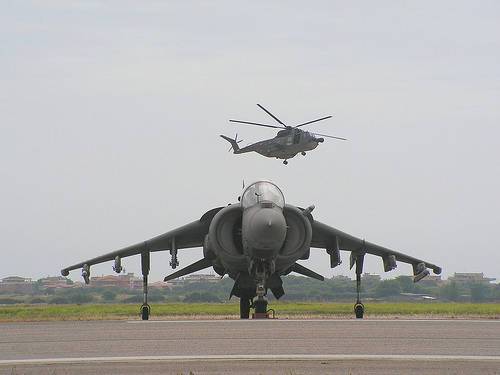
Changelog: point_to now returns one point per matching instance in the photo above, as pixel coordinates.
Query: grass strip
(231, 310)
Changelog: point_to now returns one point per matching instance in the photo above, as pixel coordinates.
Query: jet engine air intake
(223, 241)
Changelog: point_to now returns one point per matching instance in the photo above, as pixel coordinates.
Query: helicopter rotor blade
(330, 136)
(310, 122)
(256, 123)
(270, 114)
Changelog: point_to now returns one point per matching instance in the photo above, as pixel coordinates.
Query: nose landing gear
(260, 304)
(285, 162)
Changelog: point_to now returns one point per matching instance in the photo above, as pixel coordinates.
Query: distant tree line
(297, 288)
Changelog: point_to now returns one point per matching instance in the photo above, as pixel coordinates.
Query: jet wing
(187, 236)
(324, 236)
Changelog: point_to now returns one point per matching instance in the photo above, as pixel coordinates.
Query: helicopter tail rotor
(234, 143)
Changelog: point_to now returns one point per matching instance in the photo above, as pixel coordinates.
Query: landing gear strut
(145, 265)
(359, 308)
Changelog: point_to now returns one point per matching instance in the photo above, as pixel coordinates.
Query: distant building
(56, 282)
(16, 284)
(199, 277)
(159, 285)
(370, 279)
(127, 281)
(341, 278)
(470, 278)
(431, 280)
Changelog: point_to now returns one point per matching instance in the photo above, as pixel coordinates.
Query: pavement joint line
(361, 321)
(251, 357)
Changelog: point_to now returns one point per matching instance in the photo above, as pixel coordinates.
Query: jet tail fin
(234, 143)
(196, 266)
(307, 272)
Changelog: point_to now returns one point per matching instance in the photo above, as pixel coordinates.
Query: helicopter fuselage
(289, 141)
(285, 145)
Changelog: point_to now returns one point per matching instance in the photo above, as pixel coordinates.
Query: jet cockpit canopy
(262, 191)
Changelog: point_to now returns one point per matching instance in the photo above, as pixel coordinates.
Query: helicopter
(289, 141)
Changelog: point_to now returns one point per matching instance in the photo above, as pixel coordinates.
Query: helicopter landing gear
(303, 153)
(285, 162)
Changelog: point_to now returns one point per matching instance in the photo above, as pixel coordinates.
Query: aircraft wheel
(303, 153)
(145, 311)
(285, 162)
(359, 310)
(244, 308)
(260, 306)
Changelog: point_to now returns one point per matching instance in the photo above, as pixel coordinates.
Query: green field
(231, 311)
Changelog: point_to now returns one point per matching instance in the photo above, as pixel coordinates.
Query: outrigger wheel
(145, 311)
(359, 310)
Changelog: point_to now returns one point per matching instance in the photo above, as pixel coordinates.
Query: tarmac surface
(251, 347)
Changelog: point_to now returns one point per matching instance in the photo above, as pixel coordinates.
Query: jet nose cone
(268, 225)
(264, 231)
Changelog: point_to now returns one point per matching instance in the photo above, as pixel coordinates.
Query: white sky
(110, 114)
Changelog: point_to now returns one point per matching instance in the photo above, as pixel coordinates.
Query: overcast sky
(110, 115)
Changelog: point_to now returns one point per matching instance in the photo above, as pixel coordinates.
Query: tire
(260, 306)
(359, 310)
(145, 312)
(244, 308)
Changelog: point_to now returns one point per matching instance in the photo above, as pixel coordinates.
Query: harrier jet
(255, 242)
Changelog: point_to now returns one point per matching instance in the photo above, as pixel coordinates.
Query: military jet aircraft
(288, 142)
(255, 242)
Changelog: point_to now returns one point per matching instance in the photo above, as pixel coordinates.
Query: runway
(252, 347)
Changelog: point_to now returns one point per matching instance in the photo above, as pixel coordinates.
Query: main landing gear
(245, 304)
(303, 153)
(285, 162)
